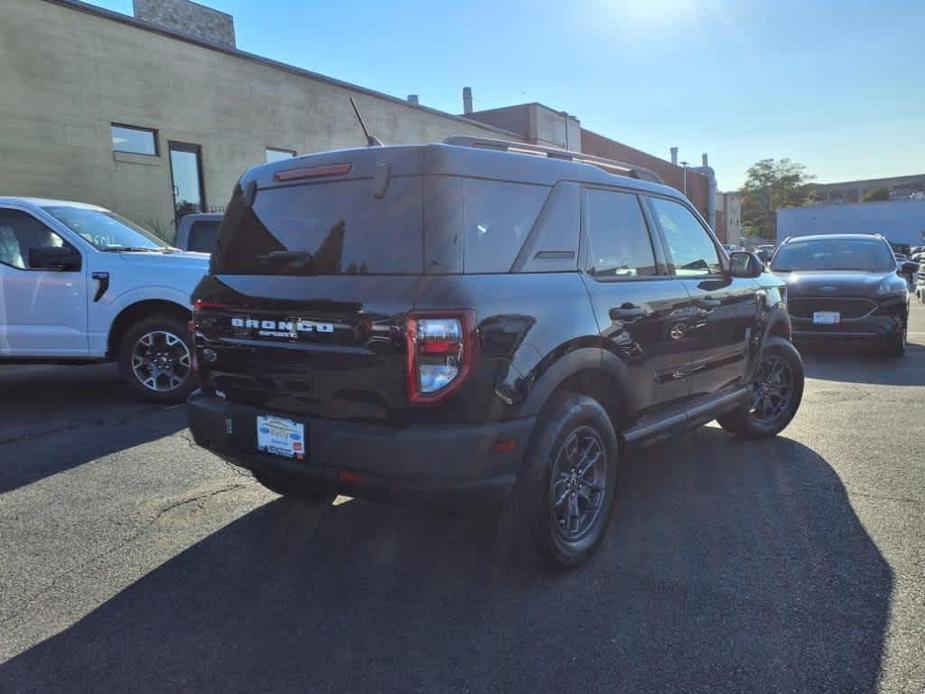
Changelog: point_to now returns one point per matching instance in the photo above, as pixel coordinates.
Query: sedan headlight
(890, 288)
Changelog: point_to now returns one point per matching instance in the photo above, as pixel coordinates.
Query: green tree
(882, 193)
(769, 185)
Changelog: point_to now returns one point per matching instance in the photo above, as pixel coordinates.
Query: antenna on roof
(371, 140)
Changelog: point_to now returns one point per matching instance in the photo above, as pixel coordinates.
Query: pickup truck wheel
(566, 493)
(156, 359)
(295, 488)
(776, 395)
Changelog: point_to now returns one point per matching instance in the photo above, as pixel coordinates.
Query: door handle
(627, 313)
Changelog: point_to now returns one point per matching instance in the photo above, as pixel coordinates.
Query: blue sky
(836, 85)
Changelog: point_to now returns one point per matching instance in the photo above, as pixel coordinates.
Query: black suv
(477, 316)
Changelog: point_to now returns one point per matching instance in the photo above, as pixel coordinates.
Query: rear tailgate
(329, 346)
(314, 273)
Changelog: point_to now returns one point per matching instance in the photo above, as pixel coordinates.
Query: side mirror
(61, 258)
(908, 267)
(745, 264)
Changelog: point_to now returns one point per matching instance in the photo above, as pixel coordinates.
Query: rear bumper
(370, 460)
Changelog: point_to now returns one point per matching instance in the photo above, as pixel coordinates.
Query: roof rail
(609, 165)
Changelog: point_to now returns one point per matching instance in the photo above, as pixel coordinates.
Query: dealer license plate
(281, 436)
(826, 317)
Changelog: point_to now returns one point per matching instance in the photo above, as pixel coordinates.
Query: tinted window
(692, 251)
(866, 255)
(618, 239)
(497, 217)
(20, 232)
(329, 228)
(134, 140)
(202, 235)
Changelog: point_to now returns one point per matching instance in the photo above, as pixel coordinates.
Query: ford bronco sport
(482, 317)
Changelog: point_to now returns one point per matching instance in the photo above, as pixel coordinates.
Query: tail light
(443, 350)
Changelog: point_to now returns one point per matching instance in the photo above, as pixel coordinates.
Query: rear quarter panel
(527, 324)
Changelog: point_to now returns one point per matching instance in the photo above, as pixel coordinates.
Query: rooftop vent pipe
(467, 100)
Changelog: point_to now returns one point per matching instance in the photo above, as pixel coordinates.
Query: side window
(202, 236)
(618, 238)
(693, 252)
(24, 244)
(497, 218)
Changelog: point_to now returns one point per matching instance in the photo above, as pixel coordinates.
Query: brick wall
(188, 18)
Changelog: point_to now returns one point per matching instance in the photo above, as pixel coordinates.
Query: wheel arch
(132, 314)
(590, 371)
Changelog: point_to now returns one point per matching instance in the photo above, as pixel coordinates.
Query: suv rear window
(330, 228)
(341, 228)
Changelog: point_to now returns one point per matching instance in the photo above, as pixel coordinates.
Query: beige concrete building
(158, 114)
(71, 71)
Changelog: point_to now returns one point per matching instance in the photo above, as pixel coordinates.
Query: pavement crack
(138, 532)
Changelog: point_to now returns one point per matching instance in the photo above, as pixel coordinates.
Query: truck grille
(848, 308)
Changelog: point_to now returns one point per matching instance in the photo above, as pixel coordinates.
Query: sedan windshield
(106, 230)
(861, 255)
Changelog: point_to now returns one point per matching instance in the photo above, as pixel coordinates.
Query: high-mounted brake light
(312, 172)
(443, 351)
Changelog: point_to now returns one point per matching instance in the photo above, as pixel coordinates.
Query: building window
(274, 154)
(125, 138)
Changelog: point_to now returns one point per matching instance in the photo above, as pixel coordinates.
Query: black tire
(161, 369)
(295, 488)
(897, 346)
(569, 418)
(756, 422)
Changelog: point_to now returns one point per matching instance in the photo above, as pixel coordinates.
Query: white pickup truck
(80, 284)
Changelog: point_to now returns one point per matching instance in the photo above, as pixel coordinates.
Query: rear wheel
(776, 395)
(566, 493)
(156, 359)
(290, 486)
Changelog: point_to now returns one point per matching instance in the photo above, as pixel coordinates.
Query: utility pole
(684, 177)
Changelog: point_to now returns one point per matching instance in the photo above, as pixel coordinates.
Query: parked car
(80, 284)
(765, 252)
(198, 231)
(920, 282)
(907, 269)
(845, 286)
(731, 247)
(405, 322)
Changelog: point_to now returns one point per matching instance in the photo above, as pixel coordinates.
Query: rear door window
(618, 239)
(331, 228)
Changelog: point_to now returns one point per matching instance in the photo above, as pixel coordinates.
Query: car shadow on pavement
(54, 418)
(730, 566)
(863, 364)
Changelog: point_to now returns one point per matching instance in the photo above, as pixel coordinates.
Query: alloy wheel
(161, 361)
(773, 389)
(578, 482)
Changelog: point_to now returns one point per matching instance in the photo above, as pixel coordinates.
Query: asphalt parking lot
(132, 561)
